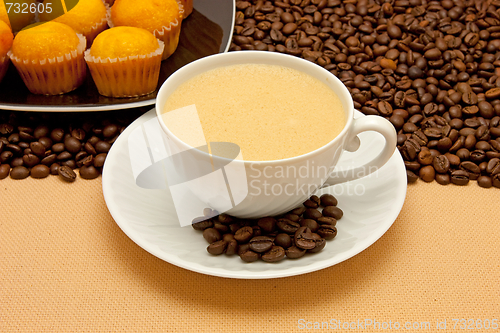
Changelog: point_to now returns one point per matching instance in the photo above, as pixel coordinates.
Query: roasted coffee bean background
(432, 68)
(271, 239)
(38, 144)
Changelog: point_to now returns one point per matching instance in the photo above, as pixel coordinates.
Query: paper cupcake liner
(53, 76)
(128, 76)
(188, 7)
(96, 29)
(168, 34)
(4, 65)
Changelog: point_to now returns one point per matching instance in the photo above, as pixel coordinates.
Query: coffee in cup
(271, 112)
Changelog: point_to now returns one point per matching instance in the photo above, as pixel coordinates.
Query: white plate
(148, 217)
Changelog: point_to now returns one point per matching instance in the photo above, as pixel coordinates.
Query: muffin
(125, 62)
(6, 38)
(163, 18)
(49, 58)
(86, 17)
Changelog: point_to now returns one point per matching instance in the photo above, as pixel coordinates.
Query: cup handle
(362, 124)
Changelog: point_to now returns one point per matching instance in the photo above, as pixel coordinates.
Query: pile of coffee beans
(39, 144)
(302, 230)
(432, 68)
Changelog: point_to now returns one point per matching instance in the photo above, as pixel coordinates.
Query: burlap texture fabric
(67, 267)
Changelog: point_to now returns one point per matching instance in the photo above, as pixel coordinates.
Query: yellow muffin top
(47, 40)
(119, 42)
(3, 13)
(6, 38)
(147, 14)
(81, 17)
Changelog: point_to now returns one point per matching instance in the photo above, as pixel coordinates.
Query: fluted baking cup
(128, 76)
(53, 76)
(169, 34)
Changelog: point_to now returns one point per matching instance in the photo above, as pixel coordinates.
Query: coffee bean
(46, 142)
(460, 177)
(261, 244)
(6, 156)
(427, 173)
(267, 224)
(88, 172)
(425, 157)
(283, 240)
(292, 217)
(320, 245)
(327, 231)
(54, 169)
(311, 204)
(38, 149)
(304, 238)
(109, 131)
(211, 235)
(57, 135)
(6, 129)
(441, 164)
(19, 172)
(225, 219)
(496, 180)
(58, 148)
(312, 214)
(222, 228)
(493, 166)
(298, 210)
(40, 171)
(16, 161)
(443, 178)
(15, 149)
(201, 224)
(275, 254)
(333, 211)
(492, 93)
(249, 256)
(288, 226)
(232, 247)
(311, 224)
(72, 145)
(328, 200)
(294, 252)
(66, 173)
(4, 171)
(471, 168)
(65, 155)
(217, 248)
(326, 220)
(244, 234)
(102, 147)
(48, 160)
(485, 181)
(30, 160)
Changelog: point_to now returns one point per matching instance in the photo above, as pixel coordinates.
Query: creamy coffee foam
(271, 112)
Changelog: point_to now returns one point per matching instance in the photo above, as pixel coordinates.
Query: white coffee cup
(306, 173)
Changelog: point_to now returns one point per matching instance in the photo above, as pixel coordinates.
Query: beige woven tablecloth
(67, 267)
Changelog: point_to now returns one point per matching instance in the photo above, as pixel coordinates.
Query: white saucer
(148, 217)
